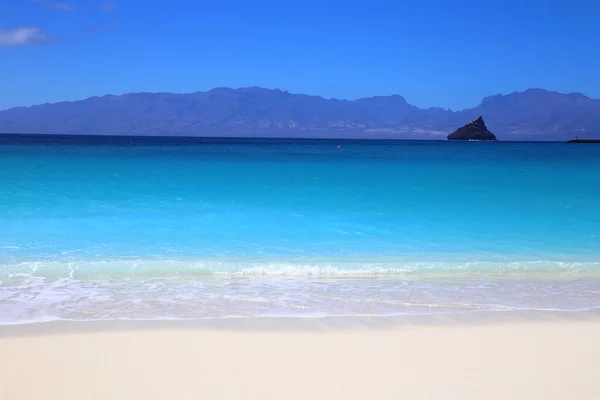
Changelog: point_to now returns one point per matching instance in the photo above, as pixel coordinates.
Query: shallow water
(296, 228)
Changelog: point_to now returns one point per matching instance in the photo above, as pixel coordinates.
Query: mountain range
(534, 114)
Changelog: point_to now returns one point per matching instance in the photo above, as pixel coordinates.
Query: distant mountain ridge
(534, 114)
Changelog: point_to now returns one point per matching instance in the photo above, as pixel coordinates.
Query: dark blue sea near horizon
(93, 229)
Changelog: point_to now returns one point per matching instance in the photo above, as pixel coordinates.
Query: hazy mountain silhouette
(534, 114)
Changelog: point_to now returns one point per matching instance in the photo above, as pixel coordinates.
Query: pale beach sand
(502, 358)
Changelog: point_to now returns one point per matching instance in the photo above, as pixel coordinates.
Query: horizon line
(249, 138)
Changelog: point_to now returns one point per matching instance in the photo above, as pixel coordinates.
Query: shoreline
(38, 301)
(299, 323)
(534, 356)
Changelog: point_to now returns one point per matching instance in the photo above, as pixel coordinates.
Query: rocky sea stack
(474, 130)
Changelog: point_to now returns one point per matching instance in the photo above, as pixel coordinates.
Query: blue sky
(434, 53)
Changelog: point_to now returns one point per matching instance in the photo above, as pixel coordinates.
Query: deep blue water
(97, 228)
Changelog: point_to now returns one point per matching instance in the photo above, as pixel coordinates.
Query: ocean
(96, 228)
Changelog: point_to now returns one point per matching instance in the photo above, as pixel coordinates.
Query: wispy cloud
(23, 36)
(63, 6)
(57, 5)
(93, 29)
(108, 6)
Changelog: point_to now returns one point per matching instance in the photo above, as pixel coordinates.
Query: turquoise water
(296, 228)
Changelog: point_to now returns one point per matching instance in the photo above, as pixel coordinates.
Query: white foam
(44, 290)
(173, 267)
(28, 299)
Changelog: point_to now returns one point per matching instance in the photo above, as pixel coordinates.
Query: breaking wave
(167, 268)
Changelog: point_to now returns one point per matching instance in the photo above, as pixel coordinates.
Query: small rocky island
(474, 130)
(577, 140)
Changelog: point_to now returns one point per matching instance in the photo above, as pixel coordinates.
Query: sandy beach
(502, 358)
